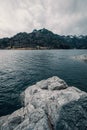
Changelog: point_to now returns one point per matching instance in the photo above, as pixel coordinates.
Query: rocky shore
(49, 105)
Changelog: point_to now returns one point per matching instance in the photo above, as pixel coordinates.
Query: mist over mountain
(43, 39)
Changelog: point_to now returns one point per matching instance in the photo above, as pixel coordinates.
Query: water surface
(22, 68)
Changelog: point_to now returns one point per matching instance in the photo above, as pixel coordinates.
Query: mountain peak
(43, 30)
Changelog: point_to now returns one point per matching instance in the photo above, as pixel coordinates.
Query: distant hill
(43, 39)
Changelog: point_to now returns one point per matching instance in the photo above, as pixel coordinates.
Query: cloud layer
(61, 16)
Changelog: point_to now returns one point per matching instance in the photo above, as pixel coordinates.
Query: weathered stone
(73, 116)
(49, 105)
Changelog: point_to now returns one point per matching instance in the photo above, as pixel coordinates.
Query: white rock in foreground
(81, 57)
(49, 105)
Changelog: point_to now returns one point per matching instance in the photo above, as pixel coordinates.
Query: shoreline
(39, 49)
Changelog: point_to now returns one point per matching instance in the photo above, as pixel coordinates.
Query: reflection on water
(19, 69)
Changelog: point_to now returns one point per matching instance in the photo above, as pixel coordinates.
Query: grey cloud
(60, 16)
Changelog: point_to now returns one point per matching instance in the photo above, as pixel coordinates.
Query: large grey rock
(73, 116)
(49, 105)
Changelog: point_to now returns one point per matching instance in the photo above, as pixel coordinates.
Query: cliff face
(49, 105)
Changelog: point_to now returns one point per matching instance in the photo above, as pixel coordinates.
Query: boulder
(49, 105)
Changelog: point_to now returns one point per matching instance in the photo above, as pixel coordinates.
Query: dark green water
(20, 69)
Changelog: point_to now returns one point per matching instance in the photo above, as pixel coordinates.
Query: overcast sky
(60, 16)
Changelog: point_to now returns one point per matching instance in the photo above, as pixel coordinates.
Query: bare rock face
(49, 105)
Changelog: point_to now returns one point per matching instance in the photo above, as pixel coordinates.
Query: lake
(22, 68)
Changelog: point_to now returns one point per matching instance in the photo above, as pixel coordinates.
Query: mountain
(43, 39)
